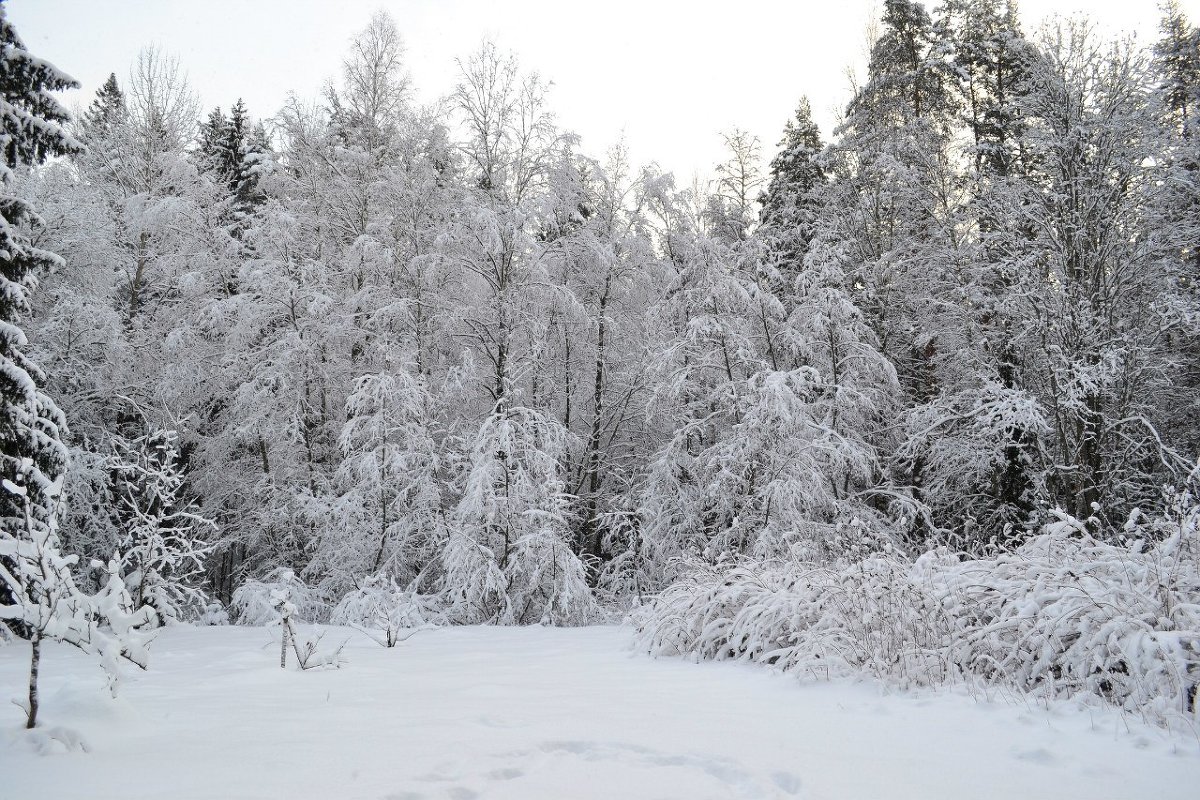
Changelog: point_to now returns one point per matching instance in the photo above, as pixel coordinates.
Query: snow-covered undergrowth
(1062, 616)
(542, 713)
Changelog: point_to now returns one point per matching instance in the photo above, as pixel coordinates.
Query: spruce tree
(32, 456)
(789, 204)
(211, 152)
(233, 152)
(37, 594)
(105, 113)
(795, 170)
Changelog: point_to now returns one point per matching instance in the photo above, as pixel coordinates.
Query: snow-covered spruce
(1063, 615)
(39, 598)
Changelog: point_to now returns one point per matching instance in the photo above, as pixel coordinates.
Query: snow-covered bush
(547, 581)
(254, 601)
(867, 616)
(214, 614)
(1063, 615)
(127, 626)
(1066, 614)
(382, 607)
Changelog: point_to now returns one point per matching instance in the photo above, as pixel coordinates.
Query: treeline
(441, 348)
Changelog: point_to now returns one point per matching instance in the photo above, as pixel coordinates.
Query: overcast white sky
(668, 74)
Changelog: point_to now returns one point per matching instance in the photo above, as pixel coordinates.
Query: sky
(664, 76)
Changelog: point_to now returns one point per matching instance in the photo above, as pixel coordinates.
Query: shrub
(1063, 615)
(254, 601)
(382, 607)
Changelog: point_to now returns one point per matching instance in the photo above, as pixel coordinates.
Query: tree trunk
(34, 664)
(283, 643)
(139, 275)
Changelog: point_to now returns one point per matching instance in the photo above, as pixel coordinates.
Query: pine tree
(972, 444)
(893, 199)
(992, 59)
(908, 77)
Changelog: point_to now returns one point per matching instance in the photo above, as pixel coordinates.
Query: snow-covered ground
(560, 714)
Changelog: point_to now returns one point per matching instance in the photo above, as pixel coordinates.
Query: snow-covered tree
(38, 594)
(388, 518)
(508, 559)
(106, 111)
(791, 200)
(1093, 282)
(162, 551)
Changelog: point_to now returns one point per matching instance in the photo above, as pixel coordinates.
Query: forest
(917, 397)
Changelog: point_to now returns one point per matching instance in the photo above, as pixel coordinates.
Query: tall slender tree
(37, 591)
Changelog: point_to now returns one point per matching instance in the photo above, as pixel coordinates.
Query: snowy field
(534, 713)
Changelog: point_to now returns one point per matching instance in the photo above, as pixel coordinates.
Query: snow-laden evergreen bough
(1063, 615)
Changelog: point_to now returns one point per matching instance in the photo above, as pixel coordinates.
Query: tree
(37, 590)
(1177, 55)
(1176, 205)
(511, 132)
(1094, 279)
(105, 113)
(509, 559)
(368, 110)
(236, 154)
(992, 59)
(895, 199)
(388, 515)
(32, 455)
(739, 180)
(162, 552)
(790, 202)
(907, 78)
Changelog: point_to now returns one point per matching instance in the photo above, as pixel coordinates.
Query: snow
(489, 712)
